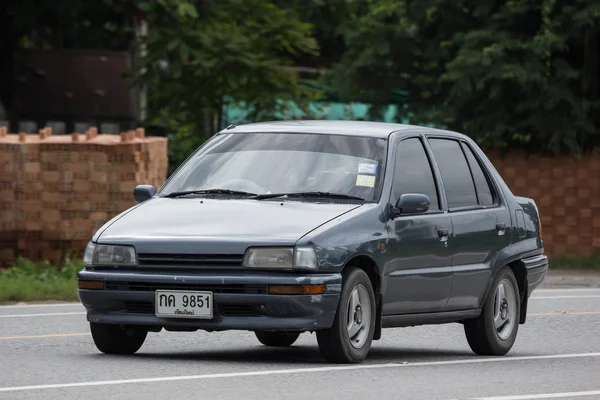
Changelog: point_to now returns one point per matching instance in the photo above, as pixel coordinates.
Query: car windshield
(263, 163)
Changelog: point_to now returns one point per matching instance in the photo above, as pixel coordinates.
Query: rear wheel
(494, 332)
(349, 338)
(277, 339)
(115, 339)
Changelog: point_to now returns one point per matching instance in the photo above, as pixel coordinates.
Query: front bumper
(240, 300)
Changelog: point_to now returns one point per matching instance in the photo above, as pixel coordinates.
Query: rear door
(419, 273)
(480, 220)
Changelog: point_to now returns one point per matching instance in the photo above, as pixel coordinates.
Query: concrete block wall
(55, 191)
(567, 192)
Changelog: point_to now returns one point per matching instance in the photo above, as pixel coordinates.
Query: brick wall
(567, 192)
(56, 191)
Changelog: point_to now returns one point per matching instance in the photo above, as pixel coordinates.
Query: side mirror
(411, 203)
(142, 193)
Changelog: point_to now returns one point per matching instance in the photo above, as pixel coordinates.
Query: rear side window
(455, 172)
(484, 190)
(412, 172)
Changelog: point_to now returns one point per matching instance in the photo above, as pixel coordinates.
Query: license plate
(180, 304)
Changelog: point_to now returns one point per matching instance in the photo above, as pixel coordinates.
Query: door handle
(443, 234)
(501, 228)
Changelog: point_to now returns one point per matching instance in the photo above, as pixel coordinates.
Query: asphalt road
(46, 353)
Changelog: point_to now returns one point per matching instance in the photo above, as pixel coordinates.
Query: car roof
(331, 127)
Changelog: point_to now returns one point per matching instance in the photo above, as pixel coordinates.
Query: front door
(419, 275)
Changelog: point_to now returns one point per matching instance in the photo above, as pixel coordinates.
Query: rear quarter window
(482, 184)
(455, 172)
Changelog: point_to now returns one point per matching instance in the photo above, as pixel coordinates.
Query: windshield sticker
(365, 180)
(366, 168)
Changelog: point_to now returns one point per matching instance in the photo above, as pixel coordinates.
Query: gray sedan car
(338, 228)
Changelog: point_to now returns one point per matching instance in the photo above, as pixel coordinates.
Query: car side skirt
(404, 320)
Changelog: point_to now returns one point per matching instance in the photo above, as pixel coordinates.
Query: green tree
(325, 16)
(507, 72)
(207, 55)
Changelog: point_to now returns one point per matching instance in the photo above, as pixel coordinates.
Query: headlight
(281, 258)
(103, 254)
(269, 257)
(88, 256)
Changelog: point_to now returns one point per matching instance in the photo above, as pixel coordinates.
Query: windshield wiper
(210, 191)
(307, 194)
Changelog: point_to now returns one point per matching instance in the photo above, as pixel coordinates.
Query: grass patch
(29, 281)
(591, 262)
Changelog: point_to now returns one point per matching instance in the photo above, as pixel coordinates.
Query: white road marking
(293, 371)
(558, 313)
(52, 335)
(41, 315)
(41, 305)
(564, 297)
(543, 396)
(567, 290)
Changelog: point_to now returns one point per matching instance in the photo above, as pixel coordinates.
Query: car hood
(209, 226)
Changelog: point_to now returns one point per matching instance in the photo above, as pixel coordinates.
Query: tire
(337, 344)
(277, 339)
(484, 337)
(114, 339)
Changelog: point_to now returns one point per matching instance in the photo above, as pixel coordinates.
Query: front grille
(215, 288)
(239, 310)
(139, 307)
(190, 261)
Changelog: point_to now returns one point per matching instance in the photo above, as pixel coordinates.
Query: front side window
(412, 172)
(264, 163)
(458, 183)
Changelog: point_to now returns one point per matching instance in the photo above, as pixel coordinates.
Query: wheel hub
(358, 314)
(504, 309)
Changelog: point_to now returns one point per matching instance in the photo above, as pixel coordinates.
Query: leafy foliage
(29, 281)
(202, 56)
(42, 271)
(511, 73)
(590, 262)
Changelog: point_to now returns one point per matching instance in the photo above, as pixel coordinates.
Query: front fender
(358, 233)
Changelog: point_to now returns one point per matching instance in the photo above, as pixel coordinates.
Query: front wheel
(349, 338)
(115, 339)
(494, 332)
(277, 339)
